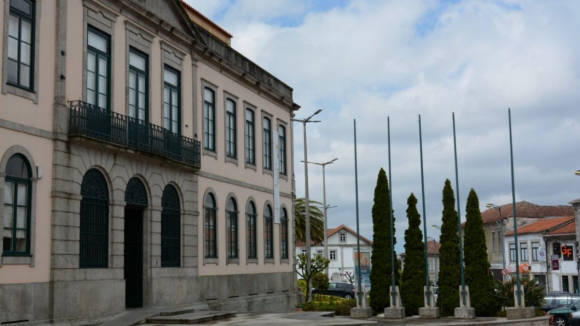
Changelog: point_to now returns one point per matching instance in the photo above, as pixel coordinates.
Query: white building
(546, 251)
(342, 247)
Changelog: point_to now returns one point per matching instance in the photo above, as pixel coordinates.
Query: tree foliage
(316, 220)
(533, 291)
(320, 281)
(413, 280)
(449, 271)
(381, 273)
(477, 273)
(317, 265)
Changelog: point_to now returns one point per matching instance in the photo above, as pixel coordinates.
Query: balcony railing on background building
(98, 123)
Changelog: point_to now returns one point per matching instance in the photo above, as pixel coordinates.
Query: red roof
(543, 225)
(526, 209)
(433, 247)
(344, 227)
(209, 21)
(566, 229)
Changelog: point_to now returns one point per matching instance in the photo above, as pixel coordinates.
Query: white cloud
(369, 60)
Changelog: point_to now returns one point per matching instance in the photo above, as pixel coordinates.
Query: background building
(144, 162)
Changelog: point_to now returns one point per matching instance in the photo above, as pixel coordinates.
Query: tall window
(231, 141)
(138, 89)
(98, 68)
(342, 236)
(210, 227)
(170, 228)
(171, 100)
(431, 264)
(535, 251)
(94, 223)
(512, 252)
(267, 135)
(268, 233)
(332, 255)
(524, 251)
(232, 228)
(21, 44)
(283, 234)
(282, 148)
(493, 242)
(208, 119)
(250, 138)
(252, 229)
(17, 192)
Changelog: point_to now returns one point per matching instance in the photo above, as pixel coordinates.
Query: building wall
(50, 284)
(26, 129)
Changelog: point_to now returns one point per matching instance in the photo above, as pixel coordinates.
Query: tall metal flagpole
(463, 292)
(393, 289)
(357, 227)
(518, 291)
(427, 287)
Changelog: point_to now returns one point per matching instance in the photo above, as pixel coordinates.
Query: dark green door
(133, 257)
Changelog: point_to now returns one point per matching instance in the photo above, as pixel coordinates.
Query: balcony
(87, 120)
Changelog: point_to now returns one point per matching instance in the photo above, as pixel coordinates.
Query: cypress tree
(413, 280)
(477, 274)
(449, 271)
(381, 255)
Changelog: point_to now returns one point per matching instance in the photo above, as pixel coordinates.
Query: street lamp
(307, 202)
(500, 232)
(324, 199)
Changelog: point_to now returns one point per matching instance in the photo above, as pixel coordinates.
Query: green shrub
(302, 285)
(343, 308)
(533, 291)
(320, 281)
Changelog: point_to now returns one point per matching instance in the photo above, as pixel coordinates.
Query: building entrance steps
(192, 318)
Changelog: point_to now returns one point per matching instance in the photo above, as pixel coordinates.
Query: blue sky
(369, 60)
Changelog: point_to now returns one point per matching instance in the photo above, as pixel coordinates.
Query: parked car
(559, 299)
(562, 316)
(574, 318)
(344, 290)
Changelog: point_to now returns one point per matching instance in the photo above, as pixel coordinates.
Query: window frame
(332, 255)
(231, 129)
(210, 250)
(209, 138)
(284, 251)
(232, 233)
(282, 149)
(177, 89)
(342, 237)
(12, 11)
(535, 251)
(524, 252)
(170, 227)
(250, 137)
(267, 143)
(268, 233)
(104, 235)
(99, 54)
(512, 248)
(493, 249)
(28, 205)
(252, 231)
(137, 72)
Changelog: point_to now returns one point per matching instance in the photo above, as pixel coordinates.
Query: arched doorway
(136, 199)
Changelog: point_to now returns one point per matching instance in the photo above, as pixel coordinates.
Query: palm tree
(316, 220)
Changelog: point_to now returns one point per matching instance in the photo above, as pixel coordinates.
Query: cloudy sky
(370, 60)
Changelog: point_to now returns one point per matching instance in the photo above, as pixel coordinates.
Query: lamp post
(575, 204)
(324, 203)
(501, 234)
(307, 203)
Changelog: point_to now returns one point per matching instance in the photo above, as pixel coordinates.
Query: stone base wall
(81, 300)
(28, 301)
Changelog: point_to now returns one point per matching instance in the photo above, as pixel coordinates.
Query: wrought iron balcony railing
(98, 123)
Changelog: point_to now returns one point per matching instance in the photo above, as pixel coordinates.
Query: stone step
(191, 318)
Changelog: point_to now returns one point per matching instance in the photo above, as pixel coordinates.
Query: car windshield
(575, 304)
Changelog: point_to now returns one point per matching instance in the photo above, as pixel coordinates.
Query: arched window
(17, 193)
(232, 228)
(210, 227)
(94, 228)
(170, 228)
(252, 244)
(283, 234)
(268, 233)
